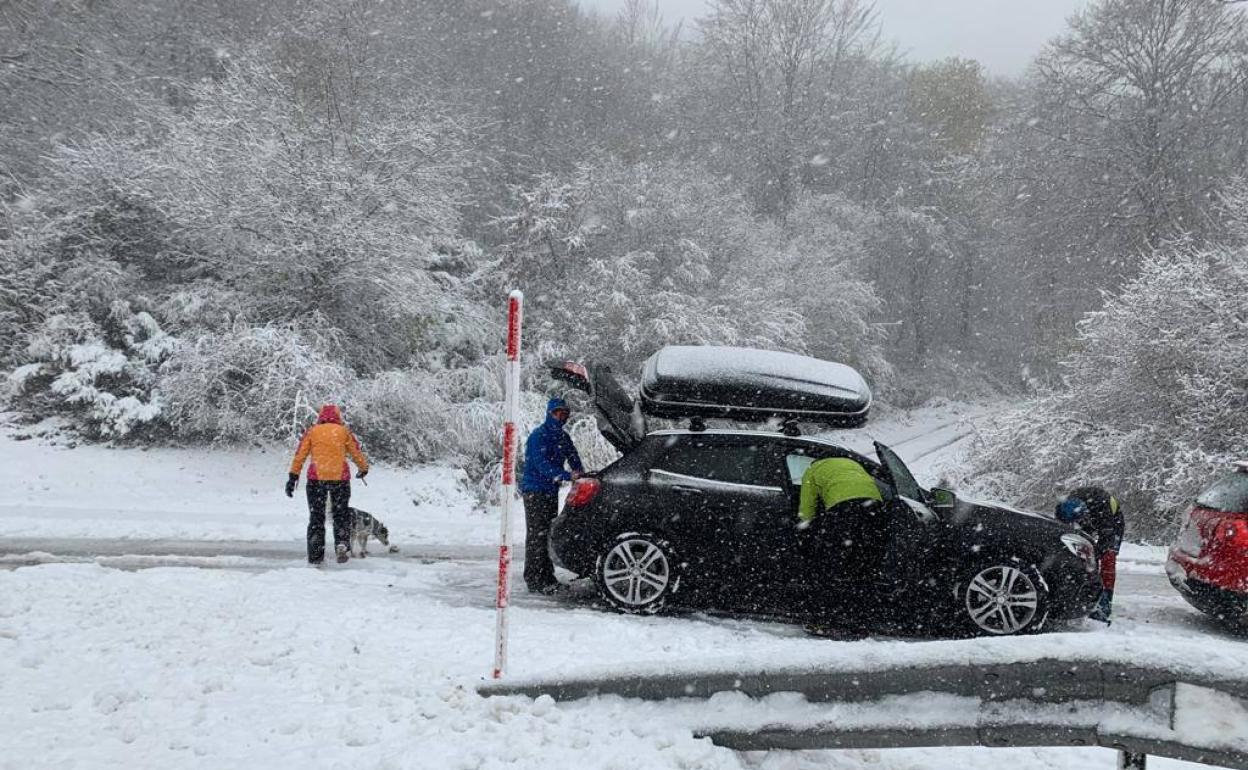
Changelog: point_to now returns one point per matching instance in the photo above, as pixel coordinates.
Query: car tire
(1002, 597)
(637, 573)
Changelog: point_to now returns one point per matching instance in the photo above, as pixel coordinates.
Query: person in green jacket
(850, 538)
(833, 482)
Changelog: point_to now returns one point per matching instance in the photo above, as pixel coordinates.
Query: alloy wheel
(636, 572)
(1002, 600)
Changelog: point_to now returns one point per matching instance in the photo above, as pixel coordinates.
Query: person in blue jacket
(548, 455)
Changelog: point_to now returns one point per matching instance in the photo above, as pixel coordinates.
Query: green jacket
(831, 481)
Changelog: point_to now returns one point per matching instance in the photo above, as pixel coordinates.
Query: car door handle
(683, 490)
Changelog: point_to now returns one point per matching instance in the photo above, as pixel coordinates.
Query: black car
(709, 518)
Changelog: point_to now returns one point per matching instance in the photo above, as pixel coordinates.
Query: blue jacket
(545, 453)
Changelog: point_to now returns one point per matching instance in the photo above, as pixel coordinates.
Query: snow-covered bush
(290, 258)
(248, 383)
(84, 339)
(418, 415)
(102, 373)
(304, 222)
(1156, 397)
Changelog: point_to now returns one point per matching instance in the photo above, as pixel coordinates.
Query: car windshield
(1228, 494)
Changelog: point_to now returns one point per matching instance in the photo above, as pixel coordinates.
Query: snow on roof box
(747, 384)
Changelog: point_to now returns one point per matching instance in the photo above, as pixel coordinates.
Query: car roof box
(685, 381)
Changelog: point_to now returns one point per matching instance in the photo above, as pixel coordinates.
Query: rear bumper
(1228, 606)
(572, 544)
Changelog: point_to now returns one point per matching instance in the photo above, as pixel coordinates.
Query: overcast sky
(1003, 35)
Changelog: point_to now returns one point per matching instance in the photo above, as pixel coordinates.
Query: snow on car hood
(1005, 508)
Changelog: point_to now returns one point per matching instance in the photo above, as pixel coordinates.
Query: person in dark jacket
(1097, 513)
(550, 458)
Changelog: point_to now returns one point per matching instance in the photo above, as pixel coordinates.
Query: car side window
(740, 464)
(797, 466)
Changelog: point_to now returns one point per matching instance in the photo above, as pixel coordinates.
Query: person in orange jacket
(329, 443)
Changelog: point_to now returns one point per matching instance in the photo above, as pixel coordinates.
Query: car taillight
(1232, 531)
(582, 492)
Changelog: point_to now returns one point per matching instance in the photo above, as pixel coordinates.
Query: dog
(363, 526)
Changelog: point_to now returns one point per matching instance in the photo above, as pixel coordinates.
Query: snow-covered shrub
(419, 415)
(248, 383)
(83, 337)
(102, 372)
(1156, 397)
(292, 258)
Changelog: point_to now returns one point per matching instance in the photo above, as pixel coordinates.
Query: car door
(704, 483)
(769, 534)
(916, 529)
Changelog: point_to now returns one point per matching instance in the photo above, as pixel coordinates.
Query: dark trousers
(850, 538)
(338, 494)
(539, 511)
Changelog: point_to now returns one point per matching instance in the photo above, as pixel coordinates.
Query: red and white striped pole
(511, 410)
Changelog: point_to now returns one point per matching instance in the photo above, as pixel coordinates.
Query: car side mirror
(943, 498)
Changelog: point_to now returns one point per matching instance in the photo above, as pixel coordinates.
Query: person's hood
(330, 413)
(555, 403)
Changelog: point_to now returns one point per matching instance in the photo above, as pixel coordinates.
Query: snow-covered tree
(270, 245)
(618, 261)
(1155, 399)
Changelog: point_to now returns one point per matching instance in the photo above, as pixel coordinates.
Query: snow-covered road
(1144, 595)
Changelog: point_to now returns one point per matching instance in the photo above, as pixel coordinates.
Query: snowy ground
(149, 661)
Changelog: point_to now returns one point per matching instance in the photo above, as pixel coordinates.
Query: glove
(290, 484)
(361, 474)
(1104, 606)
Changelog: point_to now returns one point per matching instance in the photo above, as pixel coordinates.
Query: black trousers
(539, 511)
(338, 494)
(850, 538)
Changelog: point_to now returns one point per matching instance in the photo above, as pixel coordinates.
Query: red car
(1209, 562)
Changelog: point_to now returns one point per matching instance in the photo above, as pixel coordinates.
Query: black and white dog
(363, 526)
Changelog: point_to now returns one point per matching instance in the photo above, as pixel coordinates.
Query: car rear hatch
(747, 384)
(619, 418)
(1214, 539)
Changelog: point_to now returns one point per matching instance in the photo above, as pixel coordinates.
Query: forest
(217, 214)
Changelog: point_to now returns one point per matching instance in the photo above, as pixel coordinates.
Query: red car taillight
(1232, 531)
(582, 492)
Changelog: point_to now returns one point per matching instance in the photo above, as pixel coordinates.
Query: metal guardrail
(1132, 748)
(1042, 682)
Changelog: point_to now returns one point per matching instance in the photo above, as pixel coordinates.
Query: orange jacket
(329, 442)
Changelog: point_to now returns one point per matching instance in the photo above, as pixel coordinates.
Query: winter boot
(341, 550)
(1104, 607)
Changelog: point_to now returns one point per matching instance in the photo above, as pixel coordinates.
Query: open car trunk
(619, 418)
(681, 382)
(754, 385)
